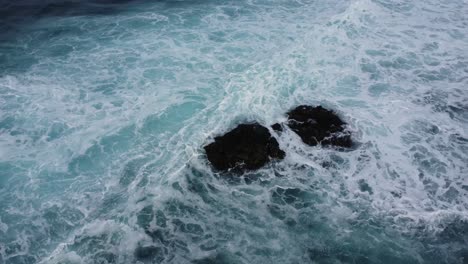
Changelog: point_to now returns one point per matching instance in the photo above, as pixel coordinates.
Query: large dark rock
(317, 125)
(246, 147)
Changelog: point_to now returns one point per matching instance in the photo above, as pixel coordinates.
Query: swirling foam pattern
(105, 107)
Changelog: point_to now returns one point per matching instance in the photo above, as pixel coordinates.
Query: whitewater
(105, 107)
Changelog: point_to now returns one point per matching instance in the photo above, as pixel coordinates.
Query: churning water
(105, 107)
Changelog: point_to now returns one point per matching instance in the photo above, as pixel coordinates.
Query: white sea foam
(103, 119)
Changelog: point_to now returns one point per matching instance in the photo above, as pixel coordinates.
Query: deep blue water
(105, 107)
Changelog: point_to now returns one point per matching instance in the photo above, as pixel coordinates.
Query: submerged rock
(277, 127)
(149, 254)
(317, 125)
(246, 147)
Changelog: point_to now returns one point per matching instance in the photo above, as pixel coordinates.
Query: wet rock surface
(246, 147)
(317, 125)
(251, 146)
(277, 127)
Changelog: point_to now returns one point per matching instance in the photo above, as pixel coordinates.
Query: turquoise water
(105, 107)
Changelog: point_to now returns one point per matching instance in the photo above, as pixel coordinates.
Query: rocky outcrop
(246, 147)
(317, 125)
(277, 127)
(251, 146)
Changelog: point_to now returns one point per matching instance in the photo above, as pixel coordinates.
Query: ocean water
(105, 107)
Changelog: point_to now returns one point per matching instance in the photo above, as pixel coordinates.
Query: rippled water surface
(105, 107)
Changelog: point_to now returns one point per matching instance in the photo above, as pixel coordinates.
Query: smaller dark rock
(246, 147)
(317, 125)
(277, 127)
